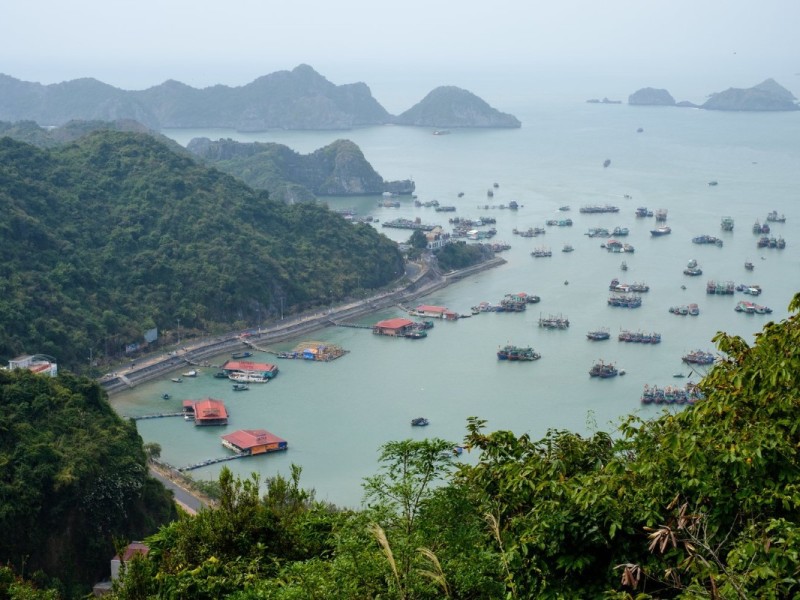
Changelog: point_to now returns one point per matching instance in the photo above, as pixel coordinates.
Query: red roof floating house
(253, 441)
(206, 412)
(252, 370)
(437, 312)
(394, 327)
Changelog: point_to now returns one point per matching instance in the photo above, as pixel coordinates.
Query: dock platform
(212, 461)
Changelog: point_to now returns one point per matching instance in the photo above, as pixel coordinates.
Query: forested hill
(114, 234)
(338, 169)
(74, 477)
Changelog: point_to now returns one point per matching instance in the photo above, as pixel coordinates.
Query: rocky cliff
(651, 97)
(768, 95)
(338, 169)
(450, 106)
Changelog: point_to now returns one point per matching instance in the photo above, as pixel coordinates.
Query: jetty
(156, 416)
(211, 461)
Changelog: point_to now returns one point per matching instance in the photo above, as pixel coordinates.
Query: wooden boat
(177, 380)
(165, 396)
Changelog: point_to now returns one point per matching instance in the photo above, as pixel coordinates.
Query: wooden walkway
(212, 461)
(255, 346)
(354, 325)
(157, 416)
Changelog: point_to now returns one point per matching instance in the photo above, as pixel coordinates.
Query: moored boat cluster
(689, 394)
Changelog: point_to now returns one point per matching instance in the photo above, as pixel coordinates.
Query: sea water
(336, 415)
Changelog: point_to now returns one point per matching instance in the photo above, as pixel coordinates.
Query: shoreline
(426, 282)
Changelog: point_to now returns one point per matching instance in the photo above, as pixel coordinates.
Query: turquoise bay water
(335, 416)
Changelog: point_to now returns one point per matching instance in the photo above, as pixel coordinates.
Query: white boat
(248, 378)
(192, 373)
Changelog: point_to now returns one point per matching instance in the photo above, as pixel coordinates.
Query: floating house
(36, 363)
(264, 371)
(253, 441)
(206, 412)
(394, 327)
(437, 312)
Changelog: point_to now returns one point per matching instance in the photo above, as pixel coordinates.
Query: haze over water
(335, 416)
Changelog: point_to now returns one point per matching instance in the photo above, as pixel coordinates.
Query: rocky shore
(424, 281)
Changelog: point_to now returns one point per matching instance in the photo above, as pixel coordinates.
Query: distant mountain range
(296, 99)
(768, 95)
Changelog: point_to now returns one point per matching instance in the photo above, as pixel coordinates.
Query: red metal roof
(133, 548)
(250, 438)
(246, 365)
(397, 323)
(429, 308)
(210, 409)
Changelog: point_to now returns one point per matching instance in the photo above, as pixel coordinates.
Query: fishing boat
(554, 322)
(542, 251)
(510, 352)
(165, 396)
(749, 265)
(603, 370)
(773, 217)
(698, 357)
(726, 224)
(624, 266)
(564, 208)
(239, 355)
(240, 387)
(692, 268)
(620, 231)
(598, 334)
(192, 373)
(419, 422)
(176, 380)
(567, 248)
(659, 231)
(642, 212)
(220, 375)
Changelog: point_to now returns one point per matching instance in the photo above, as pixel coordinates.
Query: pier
(212, 461)
(157, 416)
(354, 325)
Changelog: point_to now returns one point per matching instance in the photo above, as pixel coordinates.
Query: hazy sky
(686, 46)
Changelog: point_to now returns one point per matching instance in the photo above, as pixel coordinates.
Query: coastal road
(183, 497)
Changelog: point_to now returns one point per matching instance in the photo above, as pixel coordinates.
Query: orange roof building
(206, 412)
(253, 441)
(395, 327)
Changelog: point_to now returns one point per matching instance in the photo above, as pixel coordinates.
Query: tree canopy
(115, 233)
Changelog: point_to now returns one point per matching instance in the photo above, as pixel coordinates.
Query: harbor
(337, 414)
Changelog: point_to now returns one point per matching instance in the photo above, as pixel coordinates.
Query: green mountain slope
(114, 234)
(338, 169)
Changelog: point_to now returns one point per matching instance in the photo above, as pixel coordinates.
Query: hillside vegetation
(338, 169)
(116, 233)
(74, 478)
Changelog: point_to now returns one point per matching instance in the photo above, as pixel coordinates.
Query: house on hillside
(134, 548)
(36, 363)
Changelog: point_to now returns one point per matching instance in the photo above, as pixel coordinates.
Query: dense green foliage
(460, 255)
(73, 476)
(115, 233)
(338, 169)
(698, 503)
